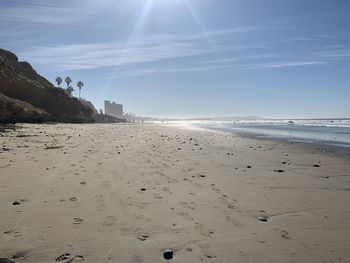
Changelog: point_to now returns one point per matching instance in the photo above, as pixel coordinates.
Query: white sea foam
(327, 131)
(304, 122)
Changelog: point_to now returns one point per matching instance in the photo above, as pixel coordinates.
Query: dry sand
(125, 193)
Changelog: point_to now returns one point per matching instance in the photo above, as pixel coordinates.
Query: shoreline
(106, 193)
(305, 131)
(329, 146)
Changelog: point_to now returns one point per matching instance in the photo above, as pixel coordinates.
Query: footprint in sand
(284, 234)
(231, 206)
(99, 198)
(207, 251)
(13, 232)
(204, 232)
(77, 220)
(101, 207)
(67, 258)
(186, 215)
(41, 238)
(191, 205)
(20, 256)
(110, 221)
(167, 189)
(63, 257)
(215, 189)
(157, 196)
(233, 221)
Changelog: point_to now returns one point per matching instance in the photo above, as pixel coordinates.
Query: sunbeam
(194, 15)
(136, 30)
(139, 26)
(198, 22)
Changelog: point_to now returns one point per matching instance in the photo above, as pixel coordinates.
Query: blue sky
(191, 58)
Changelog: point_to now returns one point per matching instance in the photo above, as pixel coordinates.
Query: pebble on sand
(168, 254)
(143, 237)
(263, 219)
(16, 203)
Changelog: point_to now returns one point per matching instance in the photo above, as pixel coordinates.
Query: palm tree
(80, 84)
(68, 80)
(58, 81)
(69, 91)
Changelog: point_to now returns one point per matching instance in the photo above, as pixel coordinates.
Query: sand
(126, 193)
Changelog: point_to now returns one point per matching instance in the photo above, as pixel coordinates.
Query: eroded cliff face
(18, 80)
(12, 111)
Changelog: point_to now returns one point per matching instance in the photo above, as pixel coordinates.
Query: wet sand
(126, 193)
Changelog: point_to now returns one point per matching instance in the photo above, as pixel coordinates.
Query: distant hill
(19, 82)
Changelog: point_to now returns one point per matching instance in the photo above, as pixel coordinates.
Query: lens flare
(145, 11)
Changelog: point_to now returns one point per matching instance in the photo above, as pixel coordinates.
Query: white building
(113, 109)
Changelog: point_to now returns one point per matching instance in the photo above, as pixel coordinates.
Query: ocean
(335, 132)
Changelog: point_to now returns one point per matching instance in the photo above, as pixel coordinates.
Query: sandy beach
(126, 193)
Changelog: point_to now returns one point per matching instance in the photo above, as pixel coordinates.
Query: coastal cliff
(29, 97)
(12, 110)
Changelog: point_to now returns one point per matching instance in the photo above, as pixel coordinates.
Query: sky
(191, 58)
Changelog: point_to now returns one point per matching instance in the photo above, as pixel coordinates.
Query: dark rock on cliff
(89, 104)
(18, 80)
(104, 118)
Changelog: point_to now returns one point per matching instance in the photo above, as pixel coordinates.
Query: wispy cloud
(285, 64)
(151, 71)
(336, 54)
(246, 47)
(195, 68)
(37, 12)
(63, 12)
(239, 58)
(142, 50)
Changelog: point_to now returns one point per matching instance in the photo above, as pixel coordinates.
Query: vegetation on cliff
(19, 81)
